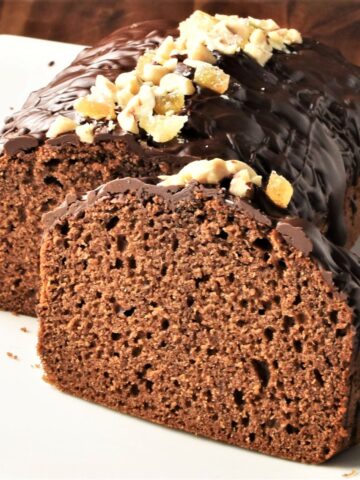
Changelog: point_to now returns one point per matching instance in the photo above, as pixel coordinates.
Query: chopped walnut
(239, 185)
(146, 97)
(128, 81)
(241, 182)
(164, 50)
(198, 51)
(95, 110)
(199, 23)
(266, 25)
(258, 37)
(212, 172)
(104, 90)
(123, 97)
(60, 125)
(171, 64)
(140, 105)
(223, 40)
(176, 82)
(276, 40)
(169, 103)
(148, 58)
(258, 53)
(237, 25)
(292, 36)
(279, 39)
(163, 128)
(279, 190)
(204, 171)
(153, 94)
(153, 73)
(128, 122)
(211, 77)
(139, 111)
(85, 132)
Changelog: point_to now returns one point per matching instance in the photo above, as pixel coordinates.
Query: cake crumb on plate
(12, 355)
(353, 473)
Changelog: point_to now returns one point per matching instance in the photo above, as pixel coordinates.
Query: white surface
(25, 67)
(46, 434)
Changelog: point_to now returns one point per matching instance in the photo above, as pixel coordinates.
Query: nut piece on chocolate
(188, 307)
(279, 190)
(60, 125)
(211, 172)
(241, 176)
(200, 35)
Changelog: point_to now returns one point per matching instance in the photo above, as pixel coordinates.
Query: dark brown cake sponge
(190, 309)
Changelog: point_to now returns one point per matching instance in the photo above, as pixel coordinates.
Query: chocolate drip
(298, 115)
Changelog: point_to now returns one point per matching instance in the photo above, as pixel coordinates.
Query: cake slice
(36, 171)
(181, 303)
(150, 98)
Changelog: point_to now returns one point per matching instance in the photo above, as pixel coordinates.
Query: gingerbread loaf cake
(149, 99)
(183, 304)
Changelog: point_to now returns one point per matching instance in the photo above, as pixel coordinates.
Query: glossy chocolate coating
(298, 115)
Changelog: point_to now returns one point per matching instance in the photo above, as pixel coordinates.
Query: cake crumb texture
(202, 319)
(33, 183)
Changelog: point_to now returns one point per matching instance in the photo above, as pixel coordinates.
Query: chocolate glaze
(23, 142)
(66, 139)
(300, 115)
(339, 266)
(111, 56)
(293, 232)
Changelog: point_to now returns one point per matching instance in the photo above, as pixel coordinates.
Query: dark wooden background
(336, 22)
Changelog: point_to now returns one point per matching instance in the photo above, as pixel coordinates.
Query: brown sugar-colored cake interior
(201, 318)
(33, 183)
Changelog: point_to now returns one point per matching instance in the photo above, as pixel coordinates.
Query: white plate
(47, 434)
